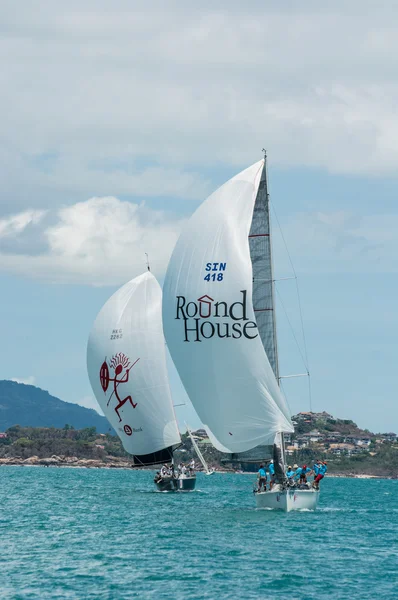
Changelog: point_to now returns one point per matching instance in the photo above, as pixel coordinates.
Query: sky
(118, 119)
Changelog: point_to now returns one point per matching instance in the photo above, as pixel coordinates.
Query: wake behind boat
(218, 315)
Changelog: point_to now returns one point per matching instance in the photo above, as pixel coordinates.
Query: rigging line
(285, 396)
(296, 278)
(299, 303)
(302, 324)
(272, 280)
(294, 335)
(310, 391)
(283, 238)
(290, 376)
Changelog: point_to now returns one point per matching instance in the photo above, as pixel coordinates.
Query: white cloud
(15, 224)
(137, 98)
(146, 100)
(102, 241)
(31, 380)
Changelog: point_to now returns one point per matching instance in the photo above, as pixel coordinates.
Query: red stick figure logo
(119, 363)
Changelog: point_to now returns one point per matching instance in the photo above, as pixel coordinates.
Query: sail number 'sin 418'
(215, 271)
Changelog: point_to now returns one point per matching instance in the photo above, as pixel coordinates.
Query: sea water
(107, 535)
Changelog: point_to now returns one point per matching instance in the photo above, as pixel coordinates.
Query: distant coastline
(348, 450)
(116, 463)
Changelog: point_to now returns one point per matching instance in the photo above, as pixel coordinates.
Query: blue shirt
(323, 469)
(289, 473)
(271, 468)
(315, 468)
(262, 473)
(305, 471)
(297, 473)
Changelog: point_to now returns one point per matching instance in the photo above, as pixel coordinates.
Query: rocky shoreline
(67, 461)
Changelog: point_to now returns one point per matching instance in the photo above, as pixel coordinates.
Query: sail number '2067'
(216, 269)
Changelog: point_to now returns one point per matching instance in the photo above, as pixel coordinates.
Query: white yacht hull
(288, 500)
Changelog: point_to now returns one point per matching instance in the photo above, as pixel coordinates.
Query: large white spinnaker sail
(210, 325)
(126, 362)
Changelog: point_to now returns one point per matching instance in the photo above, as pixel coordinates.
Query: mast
(263, 272)
(272, 282)
(277, 372)
(263, 277)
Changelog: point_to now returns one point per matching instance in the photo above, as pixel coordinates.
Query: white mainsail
(210, 325)
(126, 362)
(198, 453)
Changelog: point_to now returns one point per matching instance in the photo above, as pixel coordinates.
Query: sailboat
(126, 363)
(219, 324)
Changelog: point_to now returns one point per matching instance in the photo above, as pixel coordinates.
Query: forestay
(210, 325)
(126, 364)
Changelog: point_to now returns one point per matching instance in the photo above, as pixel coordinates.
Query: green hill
(30, 406)
(43, 442)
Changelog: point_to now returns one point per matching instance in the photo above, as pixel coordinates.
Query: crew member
(316, 468)
(321, 474)
(290, 474)
(303, 473)
(262, 478)
(271, 469)
(297, 472)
